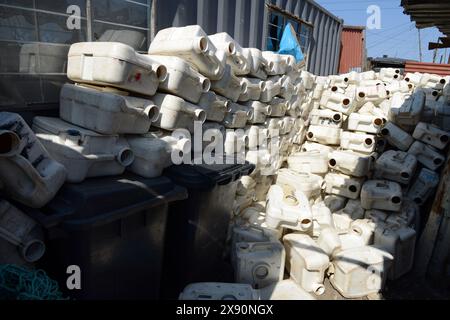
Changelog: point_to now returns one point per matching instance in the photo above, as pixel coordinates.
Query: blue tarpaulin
(289, 44)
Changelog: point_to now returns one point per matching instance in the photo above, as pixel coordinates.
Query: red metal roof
(353, 49)
(423, 67)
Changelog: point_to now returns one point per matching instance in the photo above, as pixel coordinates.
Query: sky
(398, 35)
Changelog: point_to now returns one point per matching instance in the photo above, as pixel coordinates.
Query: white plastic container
(342, 185)
(406, 110)
(325, 118)
(312, 161)
(114, 64)
(427, 155)
(432, 81)
(382, 195)
(236, 57)
(133, 38)
(324, 135)
(271, 89)
(254, 88)
(84, 153)
(218, 291)
(182, 79)
(400, 242)
(307, 79)
(176, 113)
(288, 208)
(257, 66)
(373, 93)
(284, 290)
(389, 74)
(216, 107)
(106, 112)
(191, 44)
(259, 263)
(409, 216)
(237, 116)
(396, 166)
(27, 172)
(360, 271)
(353, 210)
(229, 85)
(306, 262)
(423, 186)
(245, 185)
(350, 162)
(287, 88)
(322, 218)
(402, 86)
(338, 102)
(235, 142)
(413, 78)
(153, 153)
(293, 107)
(334, 202)
(360, 142)
(396, 136)
(364, 123)
(262, 187)
(311, 146)
(260, 111)
(431, 135)
(329, 241)
(280, 63)
(278, 107)
(310, 184)
(442, 118)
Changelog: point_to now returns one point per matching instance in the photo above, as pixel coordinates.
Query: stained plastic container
(343, 185)
(427, 155)
(360, 142)
(431, 135)
(396, 136)
(218, 291)
(350, 162)
(396, 166)
(423, 186)
(382, 195)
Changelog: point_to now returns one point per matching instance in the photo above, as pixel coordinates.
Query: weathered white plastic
(262, 187)
(427, 155)
(216, 107)
(402, 86)
(433, 81)
(413, 78)
(329, 241)
(229, 85)
(218, 291)
(114, 64)
(272, 88)
(322, 218)
(442, 118)
(27, 172)
(339, 81)
(259, 263)
(287, 87)
(237, 115)
(311, 146)
(334, 202)
(342, 223)
(373, 93)
(360, 271)
(389, 74)
(350, 162)
(325, 118)
(409, 216)
(306, 262)
(22, 232)
(381, 194)
(254, 88)
(191, 44)
(353, 210)
(257, 66)
(235, 142)
(423, 186)
(431, 135)
(406, 110)
(257, 218)
(182, 79)
(307, 79)
(106, 112)
(84, 153)
(288, 208)
(284, 290)
(260, 111)
(342, 185)
(175, 113)
(133, 38)
(280, 63)
(400, 242)
(245, 185)
(324, 135)
(287, 124)
(235, 54)
(360, 142)
(310, 184)
(364, 123)
(278, 107)
(43, 58)
(312, 161)
(153, 153)
(338, 102)
(265, 162)
(396, 166)
(293, 106)
(396, 136)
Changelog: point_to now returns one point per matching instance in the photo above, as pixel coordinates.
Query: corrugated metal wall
(352, 50)
(247, 22)
(423, 67)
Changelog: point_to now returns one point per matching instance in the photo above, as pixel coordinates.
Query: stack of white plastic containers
(345, 204)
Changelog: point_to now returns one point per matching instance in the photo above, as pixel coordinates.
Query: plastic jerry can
(339, 81)
(400, 242)
(413, 78)
(329, 241)
(338, 102)
(278, 107)
(442, 118)
(177, 113)
(406, 110)
(229, 85)
(257, 65)
(374, 93)
(389, 74)
(306, 262)
(237, 116)
(358, 141)
(287, 88)
(293, 107)
(427, 155)
(288, 208)
(191, 44)
(106, 112)
(257, 136)
(322, 218)
(84, 153)
(262, 187)
(334, 202)
(431, 135)
(432, 81)
(23, 234)
(259, 263)
(216, 107)
(308, 79)
(324, 135)
(236, 58)
(402, 86)
(312, 161)
(350, 162)
(396, 166)
(381, 194)
(284, 290)
(310, 184)
(254, 88)
(325, 118)
(353, 210)
(218, 291)
(132, 38)
(182, 79)
(396, 136)
(280, 63)
(423, 186)
(114, 64)
(342, 185)
(271, 89)
(311, 146)
(234, 142)
(154, 152)
(360, 271)
(409, 216)
(260, 111)
(43, 58)
(287, 124)
(364, 123)
(245, 185)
